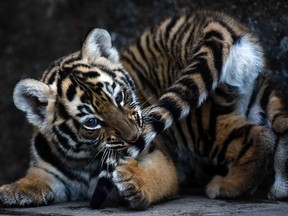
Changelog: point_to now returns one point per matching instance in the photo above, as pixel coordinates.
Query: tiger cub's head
(84, 100)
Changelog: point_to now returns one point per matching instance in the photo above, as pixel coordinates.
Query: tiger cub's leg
(151, 178)
(278, 116)
(245, 150)
(37, 188)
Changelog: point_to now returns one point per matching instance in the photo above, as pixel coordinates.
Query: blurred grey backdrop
(33, 33)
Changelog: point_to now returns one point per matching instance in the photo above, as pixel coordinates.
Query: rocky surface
(34, 33)
(191, 205)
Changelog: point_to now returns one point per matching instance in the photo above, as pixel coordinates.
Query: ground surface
(188, 205)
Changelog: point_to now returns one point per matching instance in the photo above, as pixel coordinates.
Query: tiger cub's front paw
(20, 194)
(128, 178)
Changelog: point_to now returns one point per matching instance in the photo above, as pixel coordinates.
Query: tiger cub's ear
(98, 44)
(31, 96)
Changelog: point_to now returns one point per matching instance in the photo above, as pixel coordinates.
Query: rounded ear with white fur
(98, 44)
(31, 96)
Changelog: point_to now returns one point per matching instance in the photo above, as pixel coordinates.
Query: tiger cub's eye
(91, 123)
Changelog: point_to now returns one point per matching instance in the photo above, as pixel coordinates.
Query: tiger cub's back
(178, 45)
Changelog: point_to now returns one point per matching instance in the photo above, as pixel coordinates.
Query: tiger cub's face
(85, 100)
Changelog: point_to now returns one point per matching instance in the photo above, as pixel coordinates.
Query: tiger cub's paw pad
(128, 179)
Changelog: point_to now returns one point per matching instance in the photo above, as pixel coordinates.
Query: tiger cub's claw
(129, 182)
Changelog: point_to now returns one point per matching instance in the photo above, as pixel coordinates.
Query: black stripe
(103, 188)
(128, 79)
(144, 81)
(252, 99)
(76, 65)
(234, 36)
(236, 133)
(70, 60)
(170, 104)
(244, 149)
(157, 123)
(148, 46)
(62, 111)
(189, 43)
(107, 167)
(190, 96)
(170, 76)
(52, 66)
(59, 87)
(52, 78)
(84, 107)
(263, 104)
(223, 110)
(83, 97)
(44, 151)
(189, 127)
(71, 92)
(175, 39)
(64, 73)
(213, 33)
(63, 141)
(108, 72)
(205, 72)
(140, 144)
(76, 124)
(64, 128)
(126, 82)
(95, 172)
(169, 27)
(191, 60)
(152, 59)
(135, 61)
(228, 95)
(162, 41)
(98, 87)
(216, 48)
(265, 99)
(90, 74)
(141, 51)
(157, 47)
(221, 92)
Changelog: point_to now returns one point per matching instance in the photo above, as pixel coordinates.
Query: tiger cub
(201, 78)
(81, 107)
(203, 81)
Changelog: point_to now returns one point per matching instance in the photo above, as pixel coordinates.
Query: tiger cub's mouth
(117, 145)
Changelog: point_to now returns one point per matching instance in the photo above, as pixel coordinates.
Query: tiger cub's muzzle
(126, 128)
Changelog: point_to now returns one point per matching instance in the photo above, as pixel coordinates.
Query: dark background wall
(33, 33)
